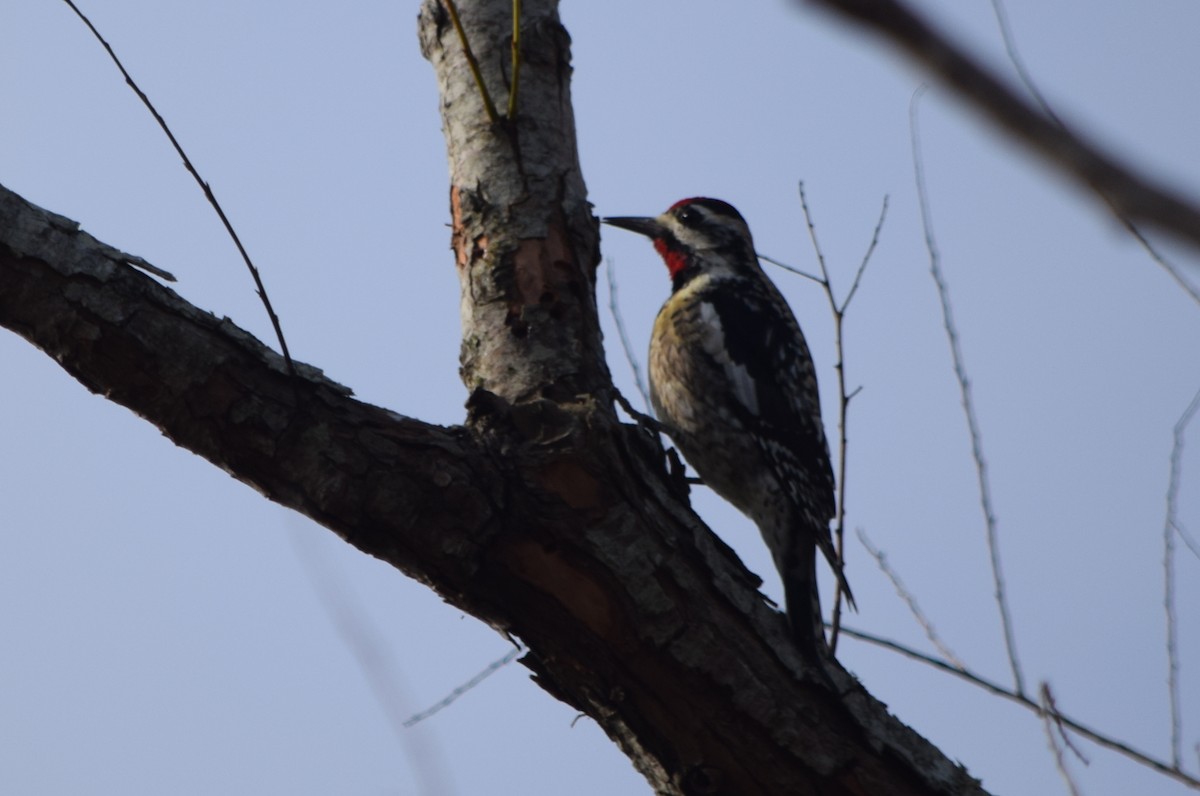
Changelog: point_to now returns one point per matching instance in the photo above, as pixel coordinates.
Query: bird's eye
(690, 217)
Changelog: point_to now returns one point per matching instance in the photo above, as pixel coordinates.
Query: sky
(166, 629)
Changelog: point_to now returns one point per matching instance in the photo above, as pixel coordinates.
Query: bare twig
(1046, 697)
(138, 262)
(1173, 702)
(1055, 733)
(492, 114)
(491, 669)
(790, 268)
(844, 397)
(995, 688)
(363, 641)
(1010, 46)
(1170, 528)
(911, 600)
(1187, 537)
(964, 384)
(1163, 262)
(866, 258)
(1127, 193)
(1172, 525)
(626, 344)
(208, 192)
(839, 532)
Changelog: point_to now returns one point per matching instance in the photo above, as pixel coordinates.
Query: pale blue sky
(161, 634)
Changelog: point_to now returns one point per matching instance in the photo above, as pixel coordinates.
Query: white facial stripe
(699, 239)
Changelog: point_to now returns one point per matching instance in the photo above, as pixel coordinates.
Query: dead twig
(204, 186)
(844, 397)
(911, 600)
(968, 403)
(995, 688)
(1056, 737)
(1128, 194)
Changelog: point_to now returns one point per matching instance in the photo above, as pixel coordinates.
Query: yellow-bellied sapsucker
(733, 383)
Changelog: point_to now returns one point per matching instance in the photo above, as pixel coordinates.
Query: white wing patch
(740, 382)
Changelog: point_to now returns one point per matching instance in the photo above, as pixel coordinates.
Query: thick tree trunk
(543, 515)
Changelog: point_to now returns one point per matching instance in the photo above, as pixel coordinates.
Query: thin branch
(1001, 691)
(1046, 697)
(516, 60)
(964, 384)
(489, 106)
(623, 334)
(1170, 528)
(1127, 193)
(812, 235)
(491, 669)
(138, 262)
(839, 531)
(204, 186)
(790, 268)
(844, 397)
(1173, 702)
(911, 600)
(1054, 733)
(364, 642)
(1010, 46)
(1162, 261)
(866, 258)
(1187, 537)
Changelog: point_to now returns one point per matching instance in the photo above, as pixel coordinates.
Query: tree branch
(633, 612)
(542, 515)
(215, 390)
(1130, 196)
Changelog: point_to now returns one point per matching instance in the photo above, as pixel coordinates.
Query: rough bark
(542, 515)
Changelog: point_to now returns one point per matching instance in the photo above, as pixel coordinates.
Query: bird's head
(696, 236)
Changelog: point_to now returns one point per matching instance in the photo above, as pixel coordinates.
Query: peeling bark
(542, 515)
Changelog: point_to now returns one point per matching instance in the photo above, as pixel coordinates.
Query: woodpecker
(733, 383)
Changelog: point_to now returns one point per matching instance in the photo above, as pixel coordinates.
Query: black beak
(639, 224)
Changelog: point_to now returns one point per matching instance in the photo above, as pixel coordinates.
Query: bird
(733, 385)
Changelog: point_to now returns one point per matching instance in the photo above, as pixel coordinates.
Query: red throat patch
(674, 259)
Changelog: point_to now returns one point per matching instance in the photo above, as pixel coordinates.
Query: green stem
(493, 116)
(516, 60)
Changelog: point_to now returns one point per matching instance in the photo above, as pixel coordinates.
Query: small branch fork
(1023, 74)
(1173, 525)
(1057, 738)
(910, 600)
(1055, 721)
(844, 397)
(204, 186)
(1040, 709)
